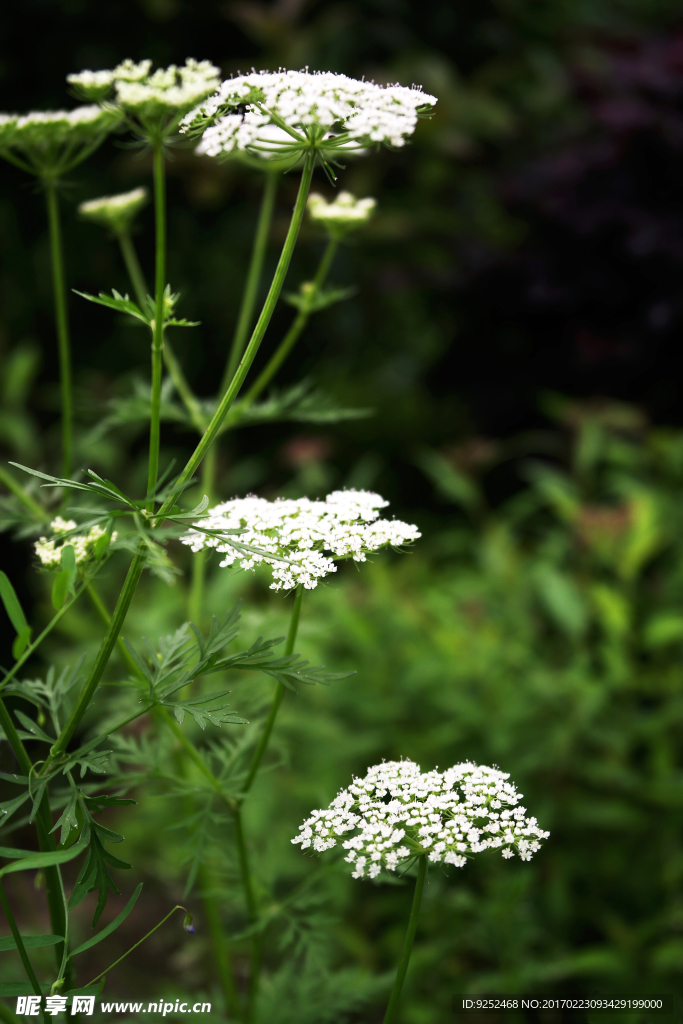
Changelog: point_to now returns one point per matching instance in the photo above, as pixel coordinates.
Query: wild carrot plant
(74, 756)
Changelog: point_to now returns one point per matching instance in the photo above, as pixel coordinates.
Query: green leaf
(10, 989)
(118, 302)
(8, 808)
(112, 926)
(43, 860)
(210, 708)
(33, 729)
(16, 616)
(94, 761)
(30, 941)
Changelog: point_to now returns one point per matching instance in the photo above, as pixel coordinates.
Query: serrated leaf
(119, 303)
(211, 708)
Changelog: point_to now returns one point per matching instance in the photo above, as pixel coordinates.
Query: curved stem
(294, 332)
(53, 879)
(158, 328)
(256, 338)
(257, 941)
(250, 294)
(102, 657)
(277, 698)
(408, 940)
(16, 934)
(132, 263)
(196, 598)
(62, 325)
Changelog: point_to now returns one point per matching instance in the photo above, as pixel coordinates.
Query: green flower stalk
(399, 814)
(49, 144)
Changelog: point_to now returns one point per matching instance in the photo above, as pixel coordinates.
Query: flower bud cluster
(299, 539)
(52, 141)
(342, 215)
(50, 551)
(155, 99)
(115, 212)
(322, 107)
(398, 812)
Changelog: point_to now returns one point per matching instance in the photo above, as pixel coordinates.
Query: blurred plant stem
(199, 562)
(158, 325)
(294, 332)
(61, 324)
(15, 488)
(132, 264)
(250, 294)
(53, 878)
(16, 934)
(257, 941)
(408, 940)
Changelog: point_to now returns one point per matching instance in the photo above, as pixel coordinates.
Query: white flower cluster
(293, 536)
(50, 552)
(324, 107)
(155, 98)
(51, 140)
(115, 212)
(342, 215)
(398, 812)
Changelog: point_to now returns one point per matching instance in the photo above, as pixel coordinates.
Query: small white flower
(342, 215)
(300, 539)
(115, 212)
(153, 100)
(49, 552)
(51, 142)
(331, 112)
(446, 804)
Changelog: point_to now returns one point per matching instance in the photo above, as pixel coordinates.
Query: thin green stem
(187, 395)
(294, 332)
(62, 325)
(255, 341)
(199, 562)
(102, 657)
(277, 698)
(7, 1016)
(250, 294)
(257, 942)
(15, 488)
(53, 879)
(130, 258)
(48, 629)
(408, 940)
(219, 944)
(139, 943)
(16, 934)
(158, 327)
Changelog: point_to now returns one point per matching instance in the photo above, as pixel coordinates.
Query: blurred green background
(516, 333)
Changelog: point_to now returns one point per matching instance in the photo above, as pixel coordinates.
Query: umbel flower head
(344, 214)
(152, 101)
(115, 212)
(50, 143)
(50, 551)
(398, 812)
(330, 113)
(299, 539)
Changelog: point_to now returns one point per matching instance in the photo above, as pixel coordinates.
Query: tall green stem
(277, 698)
(62, 325)
(158, 330)
(16, 934)
(250, 294)
(46, 842)
(256, 337)
(102, 657)
(196, 598)
(132, 263)
(408, 940)
(294, 332)
(219, 944)
(247, 884)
